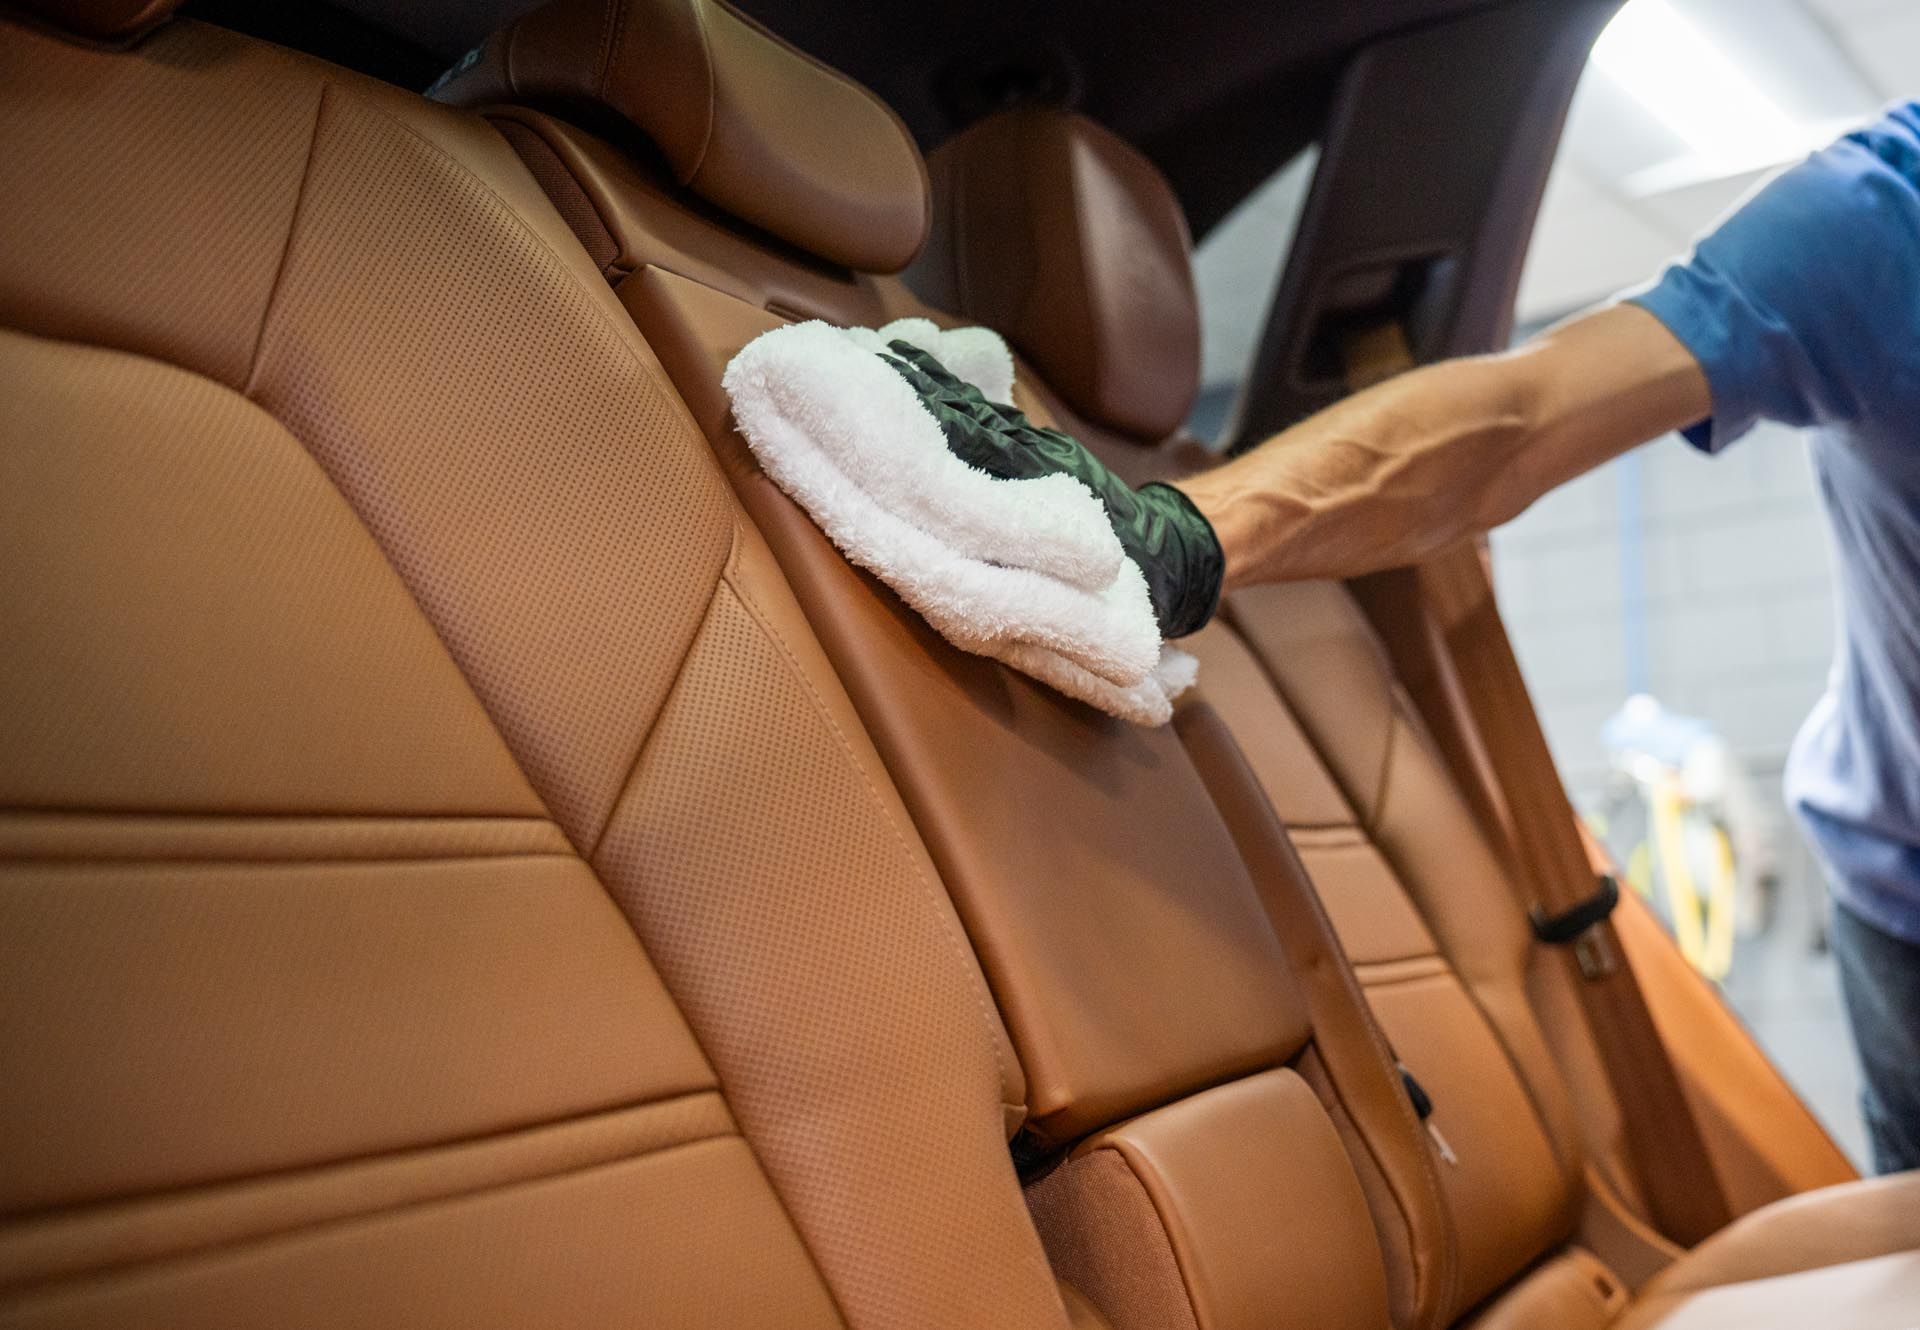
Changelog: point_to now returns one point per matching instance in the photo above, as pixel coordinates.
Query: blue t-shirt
(1804, 307)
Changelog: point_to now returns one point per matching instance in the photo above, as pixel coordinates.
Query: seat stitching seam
(296, 1230)
(713, 91)
(624, 334)
(633, 927)
(1373, 813)
(962, 950)
(286, 248)
(401, 1152)
(627, 777)
(613, 17)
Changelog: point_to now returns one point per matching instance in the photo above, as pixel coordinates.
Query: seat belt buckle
(1578, 927)
(1423, 1109)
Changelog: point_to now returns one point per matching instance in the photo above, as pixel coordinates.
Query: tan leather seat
(1111, 236)
(1215, 1129)
(1433, 931)
(445, 880)
(441, 881)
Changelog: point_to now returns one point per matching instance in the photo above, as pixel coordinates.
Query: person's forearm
(1395, 473)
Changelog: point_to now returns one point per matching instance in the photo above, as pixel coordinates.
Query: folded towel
(1149, 702)
(1025, 571)
(870, 424)
(974, 355)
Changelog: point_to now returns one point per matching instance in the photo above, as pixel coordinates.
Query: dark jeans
(1880, 977)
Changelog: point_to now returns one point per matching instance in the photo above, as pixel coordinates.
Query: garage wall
(1737, 606)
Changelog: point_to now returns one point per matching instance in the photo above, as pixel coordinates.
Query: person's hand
(1159, 527)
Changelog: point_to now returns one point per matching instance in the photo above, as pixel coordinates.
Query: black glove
(1158, 526)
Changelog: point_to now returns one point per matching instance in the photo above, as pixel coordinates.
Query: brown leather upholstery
(745, 121)
(1134, 958)
(441, 881)
(1419, 903)
(1571, 1291)
(1434, 934)
(1055, 232)
(1207, 991)
(1113, 915)
(1213, 1166)
(445, 880)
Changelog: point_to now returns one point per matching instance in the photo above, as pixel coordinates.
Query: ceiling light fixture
(1672, 69)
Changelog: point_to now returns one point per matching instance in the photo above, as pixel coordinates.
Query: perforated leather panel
(320, 704)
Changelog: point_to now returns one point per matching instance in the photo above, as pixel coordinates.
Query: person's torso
(1854, 774)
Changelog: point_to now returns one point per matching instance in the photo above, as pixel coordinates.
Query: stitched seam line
(960, 947)
(286, 248)
(371, 1157)
(624, 335)
(613, 17)
(713, 90)
(295, 1230)
(686, 1022)
(592, 853)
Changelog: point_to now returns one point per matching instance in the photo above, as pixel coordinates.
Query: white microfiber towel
(973, 355)
(870, 425)
(1025, 571)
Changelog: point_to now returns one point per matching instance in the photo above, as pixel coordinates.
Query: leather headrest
(1054, 231)
(105, 20)
(744, 120)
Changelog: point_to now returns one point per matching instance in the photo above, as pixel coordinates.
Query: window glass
(1236, 269)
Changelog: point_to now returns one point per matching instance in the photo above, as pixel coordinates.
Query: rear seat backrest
(441, 881)
(1167, 1046)
(1420, 904)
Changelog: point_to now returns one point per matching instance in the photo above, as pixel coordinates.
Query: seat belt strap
(1533, 823)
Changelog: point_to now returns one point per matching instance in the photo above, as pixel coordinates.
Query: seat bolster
(1169, 1220)
(1855, 1221)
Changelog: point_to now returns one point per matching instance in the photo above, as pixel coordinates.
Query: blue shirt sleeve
(1803, 305)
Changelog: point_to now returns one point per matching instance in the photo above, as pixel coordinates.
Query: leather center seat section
(1213, 1124)
(1292, 670)
(1152, 1017)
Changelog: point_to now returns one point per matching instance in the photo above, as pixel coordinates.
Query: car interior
(475, 854)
